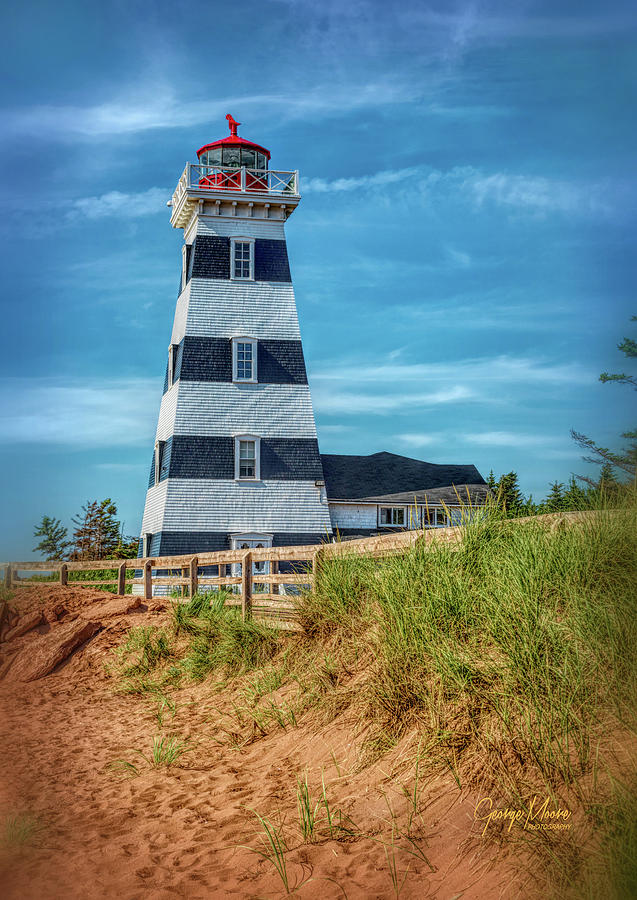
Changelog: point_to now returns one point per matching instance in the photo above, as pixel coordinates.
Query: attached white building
(371, 495)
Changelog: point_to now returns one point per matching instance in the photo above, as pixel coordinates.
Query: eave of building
(248, 204)
(452, 494)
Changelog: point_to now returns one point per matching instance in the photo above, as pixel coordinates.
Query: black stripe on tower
(210, 258)
(212, 457)
(209, 359)
(271, 261)
(178, 543)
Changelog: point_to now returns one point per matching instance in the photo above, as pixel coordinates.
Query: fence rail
(252, 576)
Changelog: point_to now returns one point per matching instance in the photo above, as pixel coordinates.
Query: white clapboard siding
(350, 515)
(181, 316)
(269, 410)
(224, 227)
(167, 411)
(154, 509)
(223, 308)
(198, 504)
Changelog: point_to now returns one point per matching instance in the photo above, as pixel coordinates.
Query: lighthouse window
(159, 458)
(242, 259)
(172, 363)
(246, 458)
(232, 157)
(244, 359)
(211, 157)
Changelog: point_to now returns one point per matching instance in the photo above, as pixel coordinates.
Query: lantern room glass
(234, 158)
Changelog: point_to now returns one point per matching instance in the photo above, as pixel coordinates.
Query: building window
(392, 515)
(246, 457)
(159, 459)
(172, 363)
(429, 517)
(242, 259)
(244, 359)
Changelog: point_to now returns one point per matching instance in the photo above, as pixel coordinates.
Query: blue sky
(463, 256)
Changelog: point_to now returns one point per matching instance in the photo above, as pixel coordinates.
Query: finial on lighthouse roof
(232, 125)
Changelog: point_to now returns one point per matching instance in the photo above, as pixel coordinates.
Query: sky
(463, 255)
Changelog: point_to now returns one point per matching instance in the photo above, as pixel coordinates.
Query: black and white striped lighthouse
(236, 459)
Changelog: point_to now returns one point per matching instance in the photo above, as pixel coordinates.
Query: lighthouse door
(254, 542)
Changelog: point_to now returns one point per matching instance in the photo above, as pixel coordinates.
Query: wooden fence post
(121, 579)
(64, 574)
(316, 565)
(148, 579)
(194, 565)
(7, 577)
(274, 570)
(246, 585)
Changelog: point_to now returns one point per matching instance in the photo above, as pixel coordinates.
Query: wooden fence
(258, 589)
(257, 592)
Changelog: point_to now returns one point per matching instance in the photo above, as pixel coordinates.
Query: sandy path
(178, 832)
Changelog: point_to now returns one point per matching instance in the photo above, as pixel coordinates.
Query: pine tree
(575, 496)
(491, 483)
(509, 496)
(126, 548)
(97, 530)
(555, 500)
(625, 459)
(53, 544)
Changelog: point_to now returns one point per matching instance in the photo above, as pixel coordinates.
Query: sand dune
(183, 831)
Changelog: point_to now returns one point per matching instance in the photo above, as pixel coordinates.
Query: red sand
(179, 832)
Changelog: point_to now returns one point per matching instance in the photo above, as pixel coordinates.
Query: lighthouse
(236, 460)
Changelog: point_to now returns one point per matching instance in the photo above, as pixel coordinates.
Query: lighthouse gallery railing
(222, 178)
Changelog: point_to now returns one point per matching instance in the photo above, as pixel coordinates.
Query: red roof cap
(233, 140)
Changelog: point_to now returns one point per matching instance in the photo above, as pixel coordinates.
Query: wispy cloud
(80, 413)
(421, 440)
(387, 386)
(486, 370)
(363, 182)
(331, 400)
(122, 205)
(537, 195)
(507, 439)
(158, 106)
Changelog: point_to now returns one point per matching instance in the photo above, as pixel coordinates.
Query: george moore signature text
(541, 815)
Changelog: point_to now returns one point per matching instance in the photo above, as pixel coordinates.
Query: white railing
(221, 178)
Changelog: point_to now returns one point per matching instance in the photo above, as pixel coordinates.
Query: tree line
(97, 534)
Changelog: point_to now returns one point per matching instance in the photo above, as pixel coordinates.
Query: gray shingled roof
(473, 494)
(387, 476)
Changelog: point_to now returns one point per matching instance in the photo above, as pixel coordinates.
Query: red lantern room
(225, 162)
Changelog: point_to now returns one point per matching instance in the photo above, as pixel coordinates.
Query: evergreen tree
(575, 496)
(126, 548)
(96, 530)
(555, 500)
(509, 496)
(626, 458)
(491, 483)
(53, 544)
